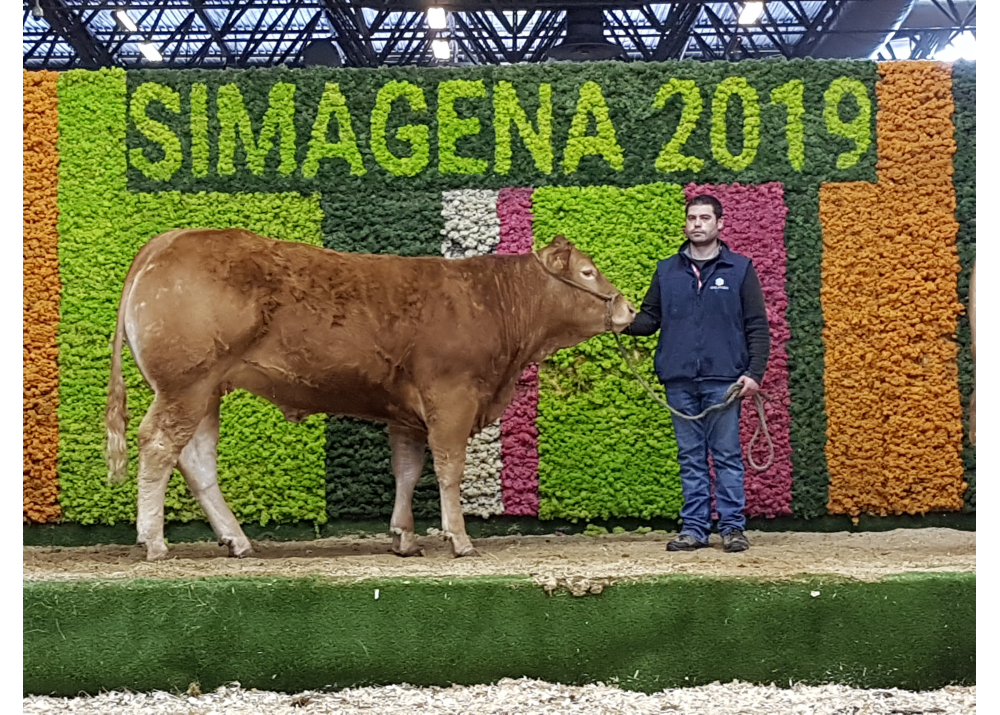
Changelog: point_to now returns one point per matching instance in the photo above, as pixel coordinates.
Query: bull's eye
(587, 272)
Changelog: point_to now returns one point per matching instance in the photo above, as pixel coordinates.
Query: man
(708, 305)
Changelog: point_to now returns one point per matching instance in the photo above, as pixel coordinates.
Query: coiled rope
(732, 394)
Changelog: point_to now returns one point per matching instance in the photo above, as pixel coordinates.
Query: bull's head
(564, 261)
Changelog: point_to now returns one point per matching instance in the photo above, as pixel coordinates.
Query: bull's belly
(339, 393)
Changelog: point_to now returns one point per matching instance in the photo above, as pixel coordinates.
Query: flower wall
(870, 367)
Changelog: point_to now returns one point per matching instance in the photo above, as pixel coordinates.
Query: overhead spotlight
(751, 13)
(441, 49)
(584, 40)
(437, 18)
(126, 22)
(37, 11)
(149, 51)
(735, 46)
(321, 53)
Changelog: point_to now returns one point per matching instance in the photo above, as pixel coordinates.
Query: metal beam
(676, 32)
(299, 41)
(373, 33)
(815, 28)
(66, 23)
(199, 8)
(358, 52)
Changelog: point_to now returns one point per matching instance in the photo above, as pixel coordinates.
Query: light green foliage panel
(606, 449)
(270, 470)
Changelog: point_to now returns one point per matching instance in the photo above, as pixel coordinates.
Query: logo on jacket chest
(720, 284)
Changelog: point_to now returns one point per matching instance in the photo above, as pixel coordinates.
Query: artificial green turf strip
(915, 632)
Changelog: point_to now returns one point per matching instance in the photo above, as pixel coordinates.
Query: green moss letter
(155, 131)
(670, 158)
(199, 130)
(333, 104)
(417, 134)
(858, 129)
(451, 128)
(791, 94)
(751, 123)
(233, 117)
(506, 110)
(605, 144)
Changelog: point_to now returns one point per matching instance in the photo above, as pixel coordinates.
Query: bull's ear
(556, 255)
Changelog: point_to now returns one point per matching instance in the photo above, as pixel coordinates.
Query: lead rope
(732, 394)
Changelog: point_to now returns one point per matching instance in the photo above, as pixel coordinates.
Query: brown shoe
(685, 542)
(733, 541)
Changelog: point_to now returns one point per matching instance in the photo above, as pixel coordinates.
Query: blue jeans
(719, 432)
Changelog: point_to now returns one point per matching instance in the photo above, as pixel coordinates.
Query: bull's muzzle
(622, 313)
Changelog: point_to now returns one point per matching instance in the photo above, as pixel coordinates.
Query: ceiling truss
(376, 33)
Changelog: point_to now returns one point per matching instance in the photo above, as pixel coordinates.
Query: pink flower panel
(518, 425)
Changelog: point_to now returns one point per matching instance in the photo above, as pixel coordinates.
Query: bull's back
(306, 327)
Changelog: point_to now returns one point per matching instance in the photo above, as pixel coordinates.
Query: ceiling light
(751, 12)
(37, 11)
(441, 48)
(437, 18)
(961, 47)
(150, 52)
(125, 21)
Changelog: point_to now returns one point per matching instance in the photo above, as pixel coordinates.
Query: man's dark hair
(706, 200)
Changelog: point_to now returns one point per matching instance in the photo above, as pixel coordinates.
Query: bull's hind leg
(407, 466)
(199, 465)
(163, 433)
(448, 437)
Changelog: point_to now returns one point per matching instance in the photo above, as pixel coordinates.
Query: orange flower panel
(890, 306)
(915, 130)
(41, 297)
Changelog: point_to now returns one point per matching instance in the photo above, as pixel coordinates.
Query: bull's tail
(116, 411)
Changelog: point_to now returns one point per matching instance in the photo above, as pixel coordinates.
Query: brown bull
(430, 346)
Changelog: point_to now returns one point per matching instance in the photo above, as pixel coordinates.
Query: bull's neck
(536, 329)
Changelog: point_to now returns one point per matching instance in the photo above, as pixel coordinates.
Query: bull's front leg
(448, 441)
(407, 466)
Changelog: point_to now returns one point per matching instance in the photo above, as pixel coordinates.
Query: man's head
(703, 220)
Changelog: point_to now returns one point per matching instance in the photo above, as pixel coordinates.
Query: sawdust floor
(577, 562)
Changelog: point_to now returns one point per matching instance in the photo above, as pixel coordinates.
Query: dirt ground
(577, 562)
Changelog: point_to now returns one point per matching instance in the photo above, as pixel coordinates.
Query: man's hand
(750, 386)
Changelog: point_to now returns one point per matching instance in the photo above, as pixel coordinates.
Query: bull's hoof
(404, 543)
(461, 545)
(156, 552)
(416, 551)
(238, 548)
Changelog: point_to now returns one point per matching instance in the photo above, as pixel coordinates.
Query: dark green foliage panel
(804, 247)
(360, 484)
(963, 80)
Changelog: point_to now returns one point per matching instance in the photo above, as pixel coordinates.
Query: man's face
(702, 228)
